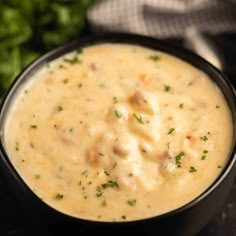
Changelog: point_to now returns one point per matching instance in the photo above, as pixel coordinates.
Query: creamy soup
(116, 132)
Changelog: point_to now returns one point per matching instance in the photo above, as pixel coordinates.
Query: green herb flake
(192, 169)
(217, 106)
(73, 60)
(205, 151)
(132, 202)
(204, 138)
(115, 100)
(80, 85)
(118, 114)
(178, 159)
(171, 130)
(65, 81)
(167, 88)
(203, 157)
(34, 126)
(168, 145)
(59, 196)
(123, 217)
(154, 57)
(104, 203)
(101, 154)
(59, 108)
(37, 176)
(181, 105)
(219, 166)
(138, 118)
(85, 173)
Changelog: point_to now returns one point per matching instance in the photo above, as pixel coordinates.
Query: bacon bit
(191, 138)
(165, 154)
(144, 78)
(93, 66)
(138, 98)
(119, 150)
(93, 157)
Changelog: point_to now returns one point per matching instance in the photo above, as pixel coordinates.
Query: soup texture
(118, 132)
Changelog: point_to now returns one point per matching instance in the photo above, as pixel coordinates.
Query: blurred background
(29, 28)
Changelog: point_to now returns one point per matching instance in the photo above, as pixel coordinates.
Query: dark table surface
(12, 223)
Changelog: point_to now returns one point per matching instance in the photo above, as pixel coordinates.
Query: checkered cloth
(163, 18)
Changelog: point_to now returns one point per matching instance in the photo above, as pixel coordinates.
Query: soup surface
(116, 132)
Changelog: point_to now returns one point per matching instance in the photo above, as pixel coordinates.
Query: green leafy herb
(123, 217)
(204, 138)
(37, 176)
(118, 113)
(138, 118)
(181, 105)
(73, 60)
(59, 108)
(102, 187)
(171, 130)
(65, 81)
(217, 106)
(34, 126)
(167, 88)
(132, 202)
(219, 166)
(115, 99)
(59, 196)
(192, 169)
(30, 28)
(154, 57)
(205, 151)
(178, 159)
(80, 85)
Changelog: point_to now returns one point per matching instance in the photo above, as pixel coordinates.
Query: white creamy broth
(117, 132)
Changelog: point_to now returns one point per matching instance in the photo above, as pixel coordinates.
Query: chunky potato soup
(116, 132)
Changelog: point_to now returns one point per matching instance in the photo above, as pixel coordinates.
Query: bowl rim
(135, 39)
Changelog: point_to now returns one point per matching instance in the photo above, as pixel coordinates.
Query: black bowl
(186, 220)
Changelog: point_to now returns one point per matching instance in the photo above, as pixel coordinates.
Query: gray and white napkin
(163, 18)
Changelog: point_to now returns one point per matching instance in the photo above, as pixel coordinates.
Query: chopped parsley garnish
(219, 166)
(59, 108)
(59, 196)
(115, 99)
(217, 106)
(108, 184)
(118, 113)
(171, 130)
(138, 118)
(65, 81)
(168, 146)
(203, 157)
(178, 159)
(73, 60)
(80, 85)
(205, 151)
(85, 173)
(167, 88)
(204, 138)
(34, 126)
(61, 66)
(106, 173)
(37, 176)
(192, 169)
(154, 57)
(132, 202)
(123, 217)
(181, 105)
(101, 154)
